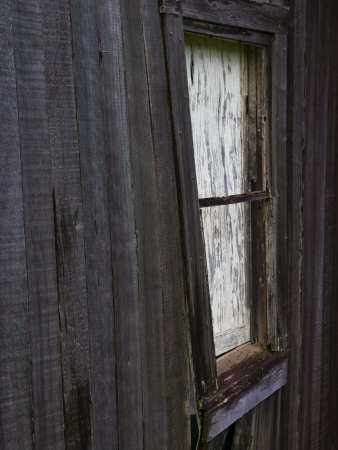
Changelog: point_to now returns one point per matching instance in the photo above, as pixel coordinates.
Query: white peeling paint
(218, 86)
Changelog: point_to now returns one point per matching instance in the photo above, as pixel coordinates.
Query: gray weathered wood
(214, 444)
(197, 289)
(329, 388)
(98, 239)
(314, 185)
(122, 230)
(68, 216)
(237, 13)
(226, 32)
(260, 168)
(296, 121)
(259, 429)
(47, 412)
(15, 365)
(147, 228)
(276, 230)
(173, 294)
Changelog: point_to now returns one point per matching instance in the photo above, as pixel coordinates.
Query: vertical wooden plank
(259, 428)
(173, 295)
(259, 148)
(15, 366)
(276, 230)
(199, 307)
(216, 443)
(147, 228)
(329, 388)
(39, 225)
(296, 138)
(98, 239)
(69, 224)
(314, 165)
(124, 241)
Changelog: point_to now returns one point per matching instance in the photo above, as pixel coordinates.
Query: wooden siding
(94, 350)
(93, 324)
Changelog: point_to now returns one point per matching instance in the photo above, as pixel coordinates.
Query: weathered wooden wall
(93, 339)
(92, 323)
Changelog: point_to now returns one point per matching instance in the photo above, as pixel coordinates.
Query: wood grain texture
(68, 215)
(289, 434)
(277, 210)
(197, 289)
(39, 225)
(226, 231)
(217, 82)
(237, 13)
(259, 428)
(173, 293)
(314, 179)
(226, 32)
(218, 86)
(329, 391)
(247, 197)
(147, 228)
(247, 376)
(215, 444)
(15, 365)
(122, 230)
(97, 233)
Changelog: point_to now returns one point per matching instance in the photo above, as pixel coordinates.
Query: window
(227, 72)
(225, 93)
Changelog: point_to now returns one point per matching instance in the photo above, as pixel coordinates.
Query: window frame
(253, 23)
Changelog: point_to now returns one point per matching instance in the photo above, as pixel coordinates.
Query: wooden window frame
(230, 386)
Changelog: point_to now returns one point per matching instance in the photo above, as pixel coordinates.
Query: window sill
(246, 376)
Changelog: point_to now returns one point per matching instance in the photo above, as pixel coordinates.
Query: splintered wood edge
(246, 377)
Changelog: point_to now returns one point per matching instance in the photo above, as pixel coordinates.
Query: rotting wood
(246, 377)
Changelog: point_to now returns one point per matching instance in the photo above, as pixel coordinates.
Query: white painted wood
(218, 85)
(226, 232)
